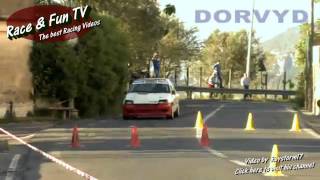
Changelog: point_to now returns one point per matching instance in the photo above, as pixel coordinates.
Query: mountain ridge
(283, 42)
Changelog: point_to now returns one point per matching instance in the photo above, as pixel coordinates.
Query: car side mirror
(173, 92)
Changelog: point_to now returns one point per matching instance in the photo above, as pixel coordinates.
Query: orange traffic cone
(204, 142)
(75, 142)
(135, 142)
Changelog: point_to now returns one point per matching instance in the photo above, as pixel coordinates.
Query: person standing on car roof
(217, 68)
(156, 64)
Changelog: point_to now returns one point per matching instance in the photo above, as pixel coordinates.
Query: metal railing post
(201, 72)
(175, 76)
(284, 84)
(230, 78)
(188, 76)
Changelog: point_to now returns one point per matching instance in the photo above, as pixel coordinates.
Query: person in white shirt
(245, 83)
(212, 81)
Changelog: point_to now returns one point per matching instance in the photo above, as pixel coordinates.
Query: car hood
(148, 98)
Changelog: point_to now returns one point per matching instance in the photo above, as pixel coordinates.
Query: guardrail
(190, 89)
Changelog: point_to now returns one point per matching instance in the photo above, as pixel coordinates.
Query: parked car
(151, 97)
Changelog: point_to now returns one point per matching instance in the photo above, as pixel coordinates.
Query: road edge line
(210, 150)
(28, 137)
(213, 112)
(216, 153)
(240, 163)
(50, 157)
(13, 167)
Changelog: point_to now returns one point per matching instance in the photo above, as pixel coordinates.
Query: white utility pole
(250, 41)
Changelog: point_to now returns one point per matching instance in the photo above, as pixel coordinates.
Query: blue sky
(186, 13)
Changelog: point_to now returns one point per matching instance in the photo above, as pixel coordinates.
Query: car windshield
(150, 88)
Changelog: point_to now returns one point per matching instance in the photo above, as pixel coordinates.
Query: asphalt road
(170, 149)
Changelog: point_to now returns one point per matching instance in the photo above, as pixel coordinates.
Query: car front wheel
(125, 117)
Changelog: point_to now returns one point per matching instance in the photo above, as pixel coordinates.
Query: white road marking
(13, 167)
(28, 137)
(198, 134)
(213, 113)
(311, 132)
(240, 163)
(301, 146)
(14, 163)
(52, 158)
(24, 137)
(215, 152)
(291, 110)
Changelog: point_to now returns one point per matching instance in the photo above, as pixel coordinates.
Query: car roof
(152, 81)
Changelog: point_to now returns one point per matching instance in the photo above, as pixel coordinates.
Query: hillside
(283, 42)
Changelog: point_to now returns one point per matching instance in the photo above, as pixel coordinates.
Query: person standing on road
(245, 83)
(212, 82)
(156, 64)
(217, 68)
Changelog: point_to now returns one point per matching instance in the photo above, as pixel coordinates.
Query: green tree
(301, 46)
(270, 61)
(53, 66)
(149, 31)
(178, 46)
(301, 58)
(104, 54)
(230, 48)
(141, 20)
(170, 9)
(93, 72)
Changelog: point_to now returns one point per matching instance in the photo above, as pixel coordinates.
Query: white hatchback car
(151, 98)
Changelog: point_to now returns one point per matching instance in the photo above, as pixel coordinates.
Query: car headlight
(128, 102)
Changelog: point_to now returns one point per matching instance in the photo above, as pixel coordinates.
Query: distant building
(15, 77)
